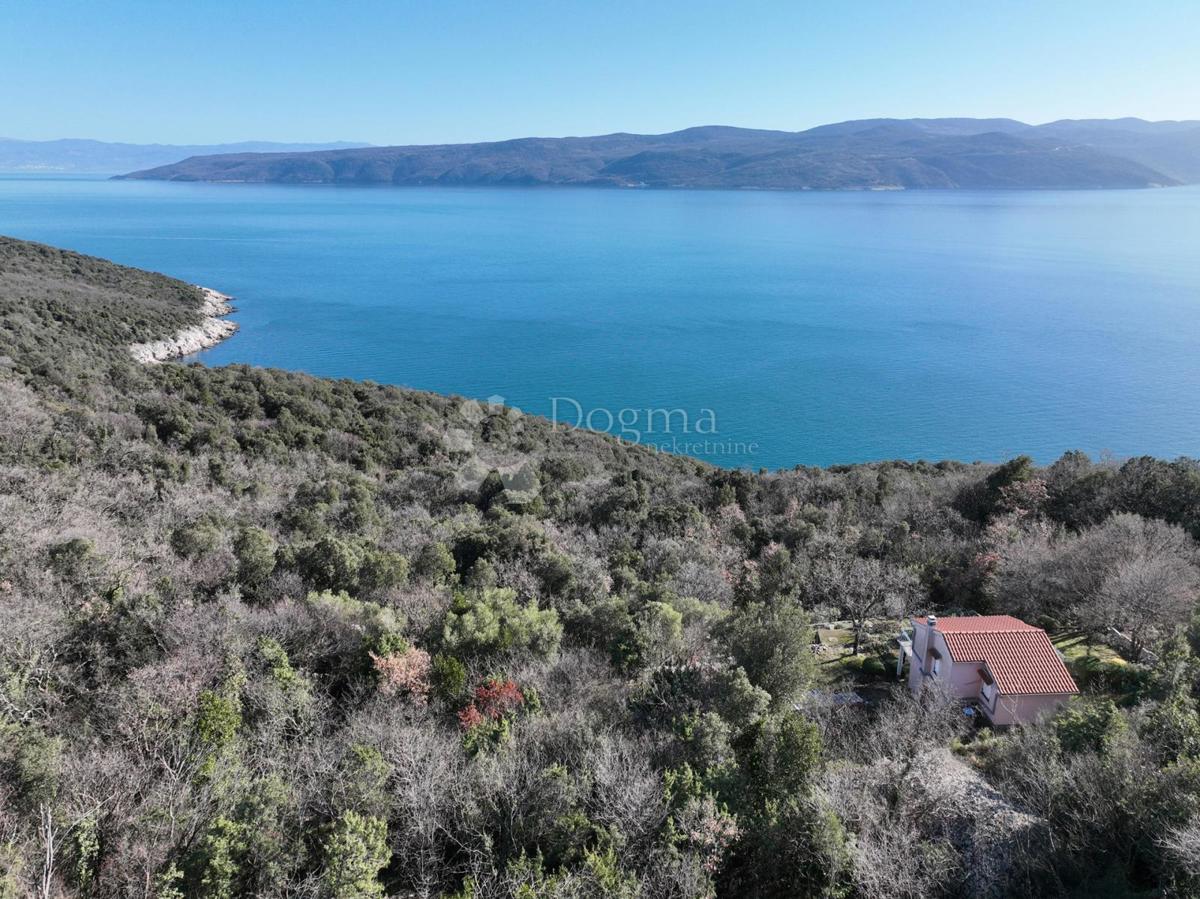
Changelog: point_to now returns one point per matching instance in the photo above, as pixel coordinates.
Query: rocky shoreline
(199, 337)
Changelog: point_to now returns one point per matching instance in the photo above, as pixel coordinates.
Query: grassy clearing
(1102, 670)
(1073, 646)
(876, 659)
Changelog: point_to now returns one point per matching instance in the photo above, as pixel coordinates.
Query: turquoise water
(810, 328)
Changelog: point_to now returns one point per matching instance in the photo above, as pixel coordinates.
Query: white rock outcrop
(199, 337)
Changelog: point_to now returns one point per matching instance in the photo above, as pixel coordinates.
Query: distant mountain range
(94, 157)
(872, 154)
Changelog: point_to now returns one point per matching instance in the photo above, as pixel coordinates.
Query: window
(937, 665)
(989, 695)
(988, 691)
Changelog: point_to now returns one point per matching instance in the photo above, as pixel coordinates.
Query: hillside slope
(272, 635)
(873, 154)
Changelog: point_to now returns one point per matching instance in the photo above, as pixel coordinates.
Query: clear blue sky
(173, 71)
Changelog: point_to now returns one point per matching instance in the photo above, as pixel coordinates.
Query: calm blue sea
(810, 328)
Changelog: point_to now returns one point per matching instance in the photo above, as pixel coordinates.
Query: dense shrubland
(271, 635)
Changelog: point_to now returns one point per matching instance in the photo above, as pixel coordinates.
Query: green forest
(271, 635)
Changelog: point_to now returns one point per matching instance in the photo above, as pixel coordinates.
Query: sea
(750, 329)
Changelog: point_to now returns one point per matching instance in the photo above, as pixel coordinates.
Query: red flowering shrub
(1023, 497)
(496, 698)
(470, 717)
(485, 720)
(404, 672)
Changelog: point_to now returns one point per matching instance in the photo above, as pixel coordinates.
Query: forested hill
(870, 154)
(266, 634)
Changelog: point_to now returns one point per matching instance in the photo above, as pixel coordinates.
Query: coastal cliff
(211, 331)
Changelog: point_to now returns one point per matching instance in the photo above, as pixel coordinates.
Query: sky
(212, 71)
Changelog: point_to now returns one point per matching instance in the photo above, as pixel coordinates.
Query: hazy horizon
(352, 140)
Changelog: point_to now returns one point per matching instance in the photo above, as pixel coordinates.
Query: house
(1009, 667)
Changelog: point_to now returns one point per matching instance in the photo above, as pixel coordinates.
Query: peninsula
(192, 339)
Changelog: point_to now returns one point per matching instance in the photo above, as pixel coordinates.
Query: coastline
(211, 331)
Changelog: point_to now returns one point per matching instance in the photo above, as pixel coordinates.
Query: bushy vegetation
(271, 635)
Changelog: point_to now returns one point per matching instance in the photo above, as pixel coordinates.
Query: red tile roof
(1020, 657)
(980, 623)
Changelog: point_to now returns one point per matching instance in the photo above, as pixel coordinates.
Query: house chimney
(931, 621)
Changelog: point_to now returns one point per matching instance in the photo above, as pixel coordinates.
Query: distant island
(76, 156)
(872, 154)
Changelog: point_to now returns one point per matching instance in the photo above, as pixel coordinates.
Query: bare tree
(1182, 847)
(1151, 583)
(1133, 574)
(877, 797)
(863, 589)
